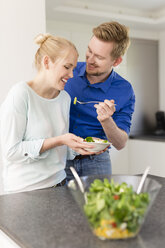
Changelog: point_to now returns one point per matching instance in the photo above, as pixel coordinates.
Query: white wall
(20, 22)
(142, 72)
(80, 33)
(162, 70)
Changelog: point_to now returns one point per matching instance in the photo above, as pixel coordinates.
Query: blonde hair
(54, 47)
(116, 33)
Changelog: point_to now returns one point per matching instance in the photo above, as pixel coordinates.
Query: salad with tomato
(115, 211)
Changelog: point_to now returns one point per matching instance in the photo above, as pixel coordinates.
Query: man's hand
(105, 110)
(117, 136)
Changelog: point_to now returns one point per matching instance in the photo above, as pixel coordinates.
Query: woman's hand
(76, 143)
(105, 110)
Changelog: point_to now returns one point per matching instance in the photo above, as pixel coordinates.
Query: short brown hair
(54, 47)
(116, 33)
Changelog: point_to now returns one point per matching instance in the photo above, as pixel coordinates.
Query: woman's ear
(117, 61)
(46, 62)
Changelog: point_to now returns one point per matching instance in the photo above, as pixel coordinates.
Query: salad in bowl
(99, 144)
(112, 206)
(114, 211)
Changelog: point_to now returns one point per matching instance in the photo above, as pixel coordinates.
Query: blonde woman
(35, 120)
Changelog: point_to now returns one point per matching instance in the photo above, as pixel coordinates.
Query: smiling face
(98, 58)
(61, 70)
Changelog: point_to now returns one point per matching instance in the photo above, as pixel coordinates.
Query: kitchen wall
(162, 70)
(80, 33)
(142, 72)
(20, 21)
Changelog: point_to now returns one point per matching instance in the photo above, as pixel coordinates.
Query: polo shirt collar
(103, 86)
(82, 70)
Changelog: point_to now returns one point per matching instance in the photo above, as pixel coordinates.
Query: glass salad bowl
(112, 208)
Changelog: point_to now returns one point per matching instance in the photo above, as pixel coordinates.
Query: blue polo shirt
(83, 118)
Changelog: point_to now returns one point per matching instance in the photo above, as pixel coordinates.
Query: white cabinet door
(143, 153)
(119, 160)
(6, 242)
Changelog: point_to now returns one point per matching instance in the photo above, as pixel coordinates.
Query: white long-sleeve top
(26, 119)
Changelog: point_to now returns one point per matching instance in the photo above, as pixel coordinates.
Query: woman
(35, 120)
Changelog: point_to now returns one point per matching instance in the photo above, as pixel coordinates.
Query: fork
(91, 102)
(87, 102)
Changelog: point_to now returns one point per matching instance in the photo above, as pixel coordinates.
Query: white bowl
(98, 145)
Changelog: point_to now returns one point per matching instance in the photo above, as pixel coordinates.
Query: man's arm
(115, 135)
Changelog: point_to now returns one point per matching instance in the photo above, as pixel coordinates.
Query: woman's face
(61, 70)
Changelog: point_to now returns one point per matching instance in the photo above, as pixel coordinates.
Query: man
(96, 80)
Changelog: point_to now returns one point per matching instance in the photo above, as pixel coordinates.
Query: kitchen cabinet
(137, 155)
(119, 160)
(143, 153)
(6, 242)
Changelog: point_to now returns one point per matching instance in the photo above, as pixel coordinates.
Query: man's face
(98, 59)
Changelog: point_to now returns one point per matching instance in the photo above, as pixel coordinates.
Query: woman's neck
(42, 88)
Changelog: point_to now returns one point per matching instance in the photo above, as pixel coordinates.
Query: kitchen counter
(50, 218)
(150, 137)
